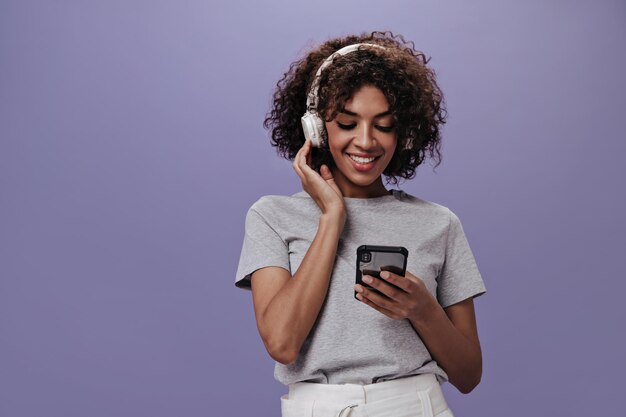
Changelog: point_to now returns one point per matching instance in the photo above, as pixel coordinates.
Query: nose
(365, 137)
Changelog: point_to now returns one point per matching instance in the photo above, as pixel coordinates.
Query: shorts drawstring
(344, 409)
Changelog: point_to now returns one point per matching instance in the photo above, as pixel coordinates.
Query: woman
(386, 352)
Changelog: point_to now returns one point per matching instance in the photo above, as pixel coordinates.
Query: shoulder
(285, 205)
(440, 216)
(430, 209)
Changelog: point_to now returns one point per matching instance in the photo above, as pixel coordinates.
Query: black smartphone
(372, 260)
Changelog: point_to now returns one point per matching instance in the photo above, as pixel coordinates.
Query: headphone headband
(312, 123)
(312, 98)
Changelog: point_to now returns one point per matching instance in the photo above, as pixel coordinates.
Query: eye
(385, 129)
(346, 127)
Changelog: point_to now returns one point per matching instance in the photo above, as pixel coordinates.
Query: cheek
(390, 152)
(393, 145)
(337, 139)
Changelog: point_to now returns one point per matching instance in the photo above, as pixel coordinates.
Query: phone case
(371, 260)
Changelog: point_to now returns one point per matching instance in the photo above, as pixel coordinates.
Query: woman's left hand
(411, 300)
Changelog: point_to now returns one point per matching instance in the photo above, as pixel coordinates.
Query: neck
(350, 190)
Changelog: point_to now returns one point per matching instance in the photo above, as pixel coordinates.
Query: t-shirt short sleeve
(459, 277)
(262, 246)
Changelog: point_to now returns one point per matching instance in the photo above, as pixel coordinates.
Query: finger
(385, 288)
(307, 156)
(294, 163)
(305, 148)
(380, 300)
(309, 152)
(306, 168)
(303, 162)
(397, 280)
(327, 174)
(303, 154)
(297, 166)
(375, 306)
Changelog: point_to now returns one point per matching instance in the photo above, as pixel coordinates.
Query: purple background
(132, 146)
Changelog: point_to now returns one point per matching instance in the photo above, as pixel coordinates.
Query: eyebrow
(351, 113)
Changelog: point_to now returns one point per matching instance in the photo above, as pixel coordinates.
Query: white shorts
(415, 396)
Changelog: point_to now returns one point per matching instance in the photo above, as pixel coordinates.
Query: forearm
(459, 356)
(294, 309)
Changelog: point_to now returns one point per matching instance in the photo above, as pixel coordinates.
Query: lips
(360, 166)
(362, 158)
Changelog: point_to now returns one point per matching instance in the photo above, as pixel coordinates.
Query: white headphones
(312, 123)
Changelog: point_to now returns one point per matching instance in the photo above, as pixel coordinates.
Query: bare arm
(286, 307)
(452, 339)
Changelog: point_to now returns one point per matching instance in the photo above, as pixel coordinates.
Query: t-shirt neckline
(394, 195)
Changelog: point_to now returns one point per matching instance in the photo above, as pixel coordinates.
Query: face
(362, 140)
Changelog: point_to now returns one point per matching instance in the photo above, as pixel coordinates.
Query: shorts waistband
(426, 386)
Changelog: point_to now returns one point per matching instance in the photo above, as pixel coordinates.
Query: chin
(363, 182)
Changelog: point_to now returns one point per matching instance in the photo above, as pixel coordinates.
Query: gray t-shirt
(352, 342)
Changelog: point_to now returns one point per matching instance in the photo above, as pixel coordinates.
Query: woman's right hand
(321, 188)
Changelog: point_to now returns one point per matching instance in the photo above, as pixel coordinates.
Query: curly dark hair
(399, 71)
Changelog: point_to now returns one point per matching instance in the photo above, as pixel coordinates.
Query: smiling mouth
(362, 160)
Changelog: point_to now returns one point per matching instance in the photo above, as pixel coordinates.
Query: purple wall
(131, 147)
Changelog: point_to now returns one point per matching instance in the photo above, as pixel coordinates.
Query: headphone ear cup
(313, 127)
(321, 130)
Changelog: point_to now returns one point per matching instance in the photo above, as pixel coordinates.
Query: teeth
(361, 160)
